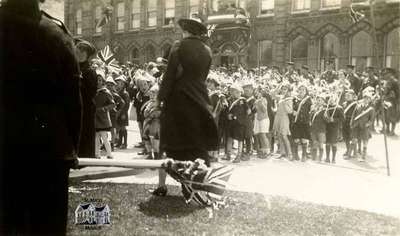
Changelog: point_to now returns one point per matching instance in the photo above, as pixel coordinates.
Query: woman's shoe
(160, 191)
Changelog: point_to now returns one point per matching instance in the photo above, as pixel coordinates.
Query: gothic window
(299, 50)
(393, 49)
(329, 51)
(265, 52)
(361, 50)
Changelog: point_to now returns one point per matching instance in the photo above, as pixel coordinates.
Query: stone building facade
(312, 32)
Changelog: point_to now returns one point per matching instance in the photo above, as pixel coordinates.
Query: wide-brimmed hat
(193, 25)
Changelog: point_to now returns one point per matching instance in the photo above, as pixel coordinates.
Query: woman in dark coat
(188, 130)
(84, 51)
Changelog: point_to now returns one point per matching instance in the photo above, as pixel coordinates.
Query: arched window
(150, 54)
(393, 49)
(329, 51)
(299, 50)
(361, 50)
(266, 52)
(134, 56)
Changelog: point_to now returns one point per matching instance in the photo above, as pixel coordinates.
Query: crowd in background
(262, 112)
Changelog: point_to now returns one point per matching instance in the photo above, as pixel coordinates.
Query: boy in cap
(349, 105)
(119, 103)
(318, 127)
(122, 116)
(237, 115)
(104, 103)
(354, 79)
(301, 122)
(291, 74)
(248, 92)
(361, 121)
(334, 117)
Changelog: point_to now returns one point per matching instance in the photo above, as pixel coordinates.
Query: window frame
(323, 7)
(169, 8)
(149, 12)
(134, 14)
(191, 6)
(78, 22)
(270, 11)
(301, 10)
(97, 30)
(120, 19)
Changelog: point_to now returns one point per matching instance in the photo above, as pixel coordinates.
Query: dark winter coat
(103, 99)
(40, 100)
(186, 119)
(88, 90)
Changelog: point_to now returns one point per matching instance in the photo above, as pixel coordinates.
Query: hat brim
(192, 26)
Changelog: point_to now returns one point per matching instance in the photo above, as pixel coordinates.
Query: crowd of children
(296, 115)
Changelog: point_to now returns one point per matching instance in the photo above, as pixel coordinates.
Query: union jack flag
(200, 184)
(108, 58)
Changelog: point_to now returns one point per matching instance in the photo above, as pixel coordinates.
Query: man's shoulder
(54, 27)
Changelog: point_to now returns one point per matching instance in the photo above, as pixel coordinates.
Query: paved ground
(350, 184)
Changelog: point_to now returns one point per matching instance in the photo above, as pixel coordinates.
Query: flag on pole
(108, 58)
(106, 17)
(357, 15)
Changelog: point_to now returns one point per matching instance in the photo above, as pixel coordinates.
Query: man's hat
(305, 67)
(86, 46)
(290, 63)
(351, 66)
(193, 25)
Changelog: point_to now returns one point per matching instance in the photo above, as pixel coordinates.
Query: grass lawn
(135, 212)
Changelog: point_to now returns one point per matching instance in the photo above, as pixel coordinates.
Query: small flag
(107, 12)
(355, 15)
(107, 56)
(211, 29)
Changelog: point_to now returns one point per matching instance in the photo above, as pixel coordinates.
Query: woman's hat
(193, 25)
(85, 46)
(110, 80)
